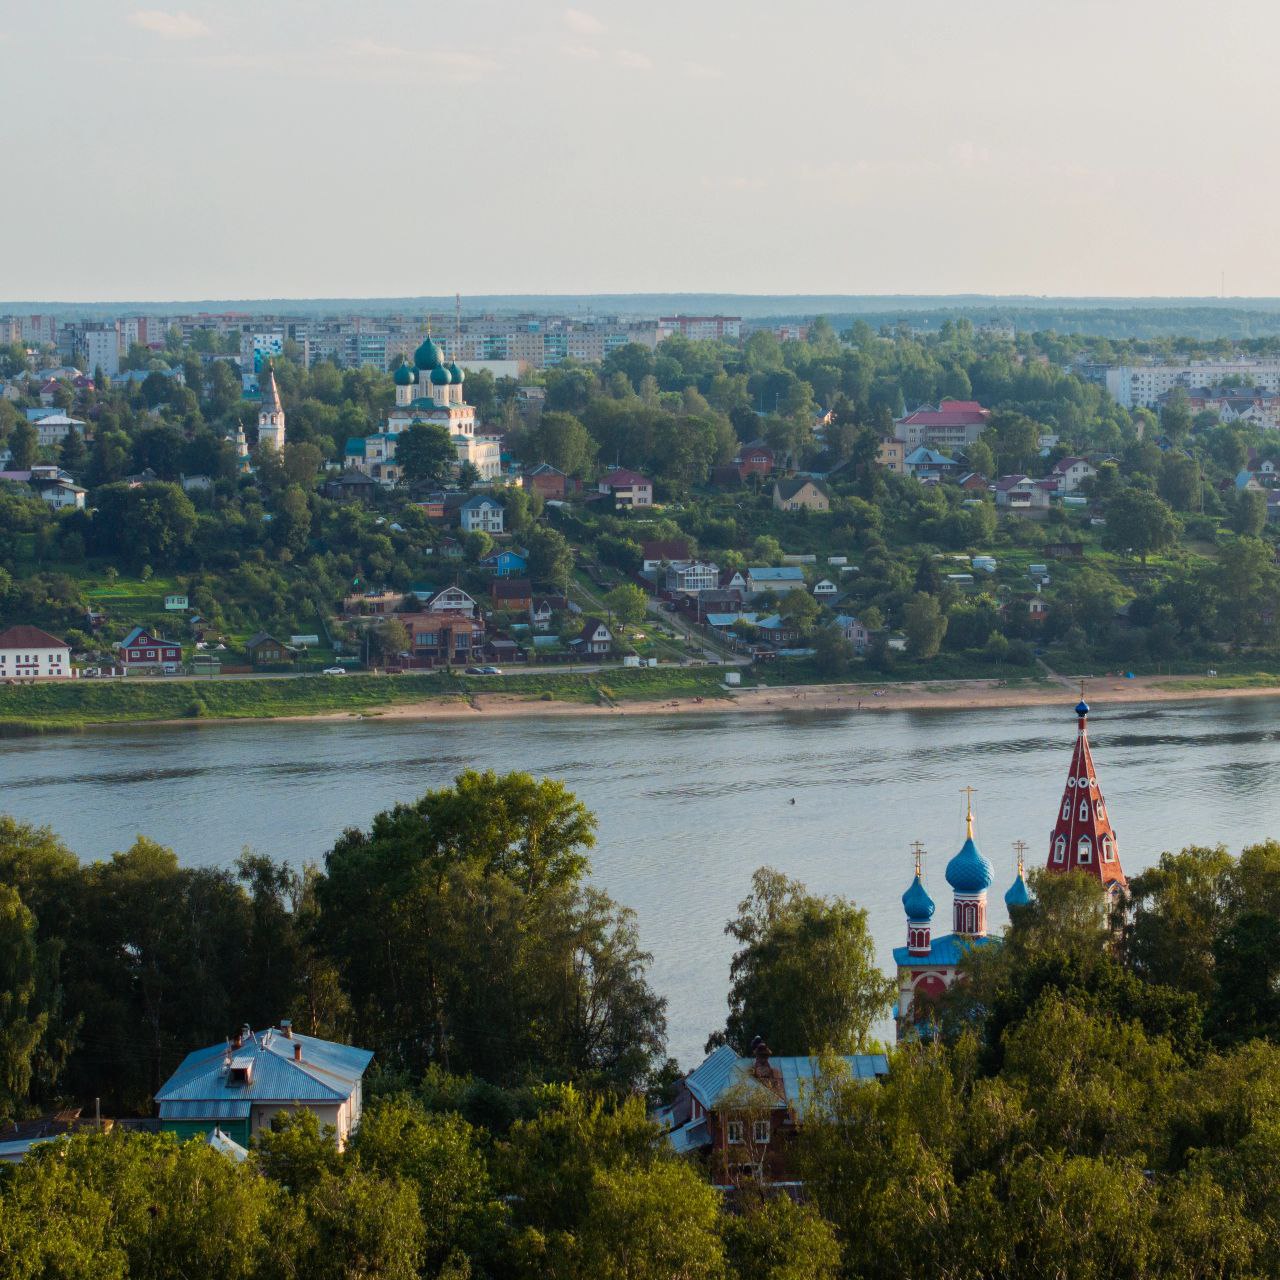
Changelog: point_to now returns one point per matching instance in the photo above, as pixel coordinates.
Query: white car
(335, 671)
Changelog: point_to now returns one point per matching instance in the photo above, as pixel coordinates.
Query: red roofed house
(951, 425)
(629, 488)
(27, 653)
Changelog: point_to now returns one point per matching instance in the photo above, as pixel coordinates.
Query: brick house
(548, 482)
(743, 1114)
(513, 594)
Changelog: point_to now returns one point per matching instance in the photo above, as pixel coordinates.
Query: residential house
(744, 1113)
(27, 653)
(973, 482)
(1071, 473)
(54, 485)
(780, 580)
(350, 486)
(825, 590)
(266, 651)
(801, 493)
(505, 563)
(949, 425)
(925, 463)
(175, 602)
(854, 632)
(53, 428)
(692, 576)
(481, 514)
(512, 594)
(196, 484)
(141, 651)
(441, 637)
(453, 600)
(238, 1086)
(720, 600)
(733, 580)
(629, 488)
(546, 481)
(543, 609)
(1020, 493)
(595, 638)
(663, 551)
(754, 459)
(892, 455)
(372, 603)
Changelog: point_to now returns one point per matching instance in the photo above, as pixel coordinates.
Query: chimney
(286, 1025)
(297, 1053)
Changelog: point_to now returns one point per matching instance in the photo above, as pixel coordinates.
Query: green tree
(833, 654)
(627, 603)
(22, 1024)
(1139, 523)
(550, 556)
(781, 1240)
(73, 455)
(425, 453)
(925, 625)
(1249, 513)
(358, 1226)
(561, 440)
(805, 975)
(23, 444)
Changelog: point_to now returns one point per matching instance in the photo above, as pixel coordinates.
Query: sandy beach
(912, 696)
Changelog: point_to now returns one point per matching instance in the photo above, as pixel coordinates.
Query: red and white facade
(141, 652)
(1083, 838)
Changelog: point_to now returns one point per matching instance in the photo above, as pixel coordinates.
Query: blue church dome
(404, 376)
(1082, 708)
(917, 903)
(1018, 894)
(969, 871)
(440, 376)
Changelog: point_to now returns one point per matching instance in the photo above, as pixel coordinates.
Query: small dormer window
(240, 1072)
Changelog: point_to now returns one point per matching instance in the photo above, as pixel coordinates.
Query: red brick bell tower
(1083, 838)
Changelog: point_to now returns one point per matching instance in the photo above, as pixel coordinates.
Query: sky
(324, 148)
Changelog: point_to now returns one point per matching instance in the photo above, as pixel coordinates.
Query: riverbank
(620, 692)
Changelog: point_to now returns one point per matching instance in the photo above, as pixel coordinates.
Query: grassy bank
(89, 702)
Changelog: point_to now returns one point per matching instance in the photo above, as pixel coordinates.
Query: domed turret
(969, 871)
(440, 376)
(970, 875)
(455, 373)
(427, 355)
(1017, 895)
(916, 901)
(404, 376)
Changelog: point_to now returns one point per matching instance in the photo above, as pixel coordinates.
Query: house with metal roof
(743, 1114)
(782, 579)
(238, 1086)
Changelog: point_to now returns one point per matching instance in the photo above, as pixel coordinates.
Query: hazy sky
(272, 148)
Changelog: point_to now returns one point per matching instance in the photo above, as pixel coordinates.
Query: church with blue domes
(929, 964)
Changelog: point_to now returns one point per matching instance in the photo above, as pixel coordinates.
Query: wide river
(688, 805)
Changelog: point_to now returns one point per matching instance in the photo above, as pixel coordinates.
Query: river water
(688, 805)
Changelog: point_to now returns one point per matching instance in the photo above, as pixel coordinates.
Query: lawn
(87, 702)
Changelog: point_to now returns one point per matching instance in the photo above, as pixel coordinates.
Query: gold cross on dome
(1020, 848)
(968, 793)
(918, 850)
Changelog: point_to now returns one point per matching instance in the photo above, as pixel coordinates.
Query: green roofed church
(239, 1085)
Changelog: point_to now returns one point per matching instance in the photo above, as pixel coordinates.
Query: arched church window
(1060, 848)
(1098, 810)
(1066, 810)
(1084, 850)
(1108, 849)
(1084, 811)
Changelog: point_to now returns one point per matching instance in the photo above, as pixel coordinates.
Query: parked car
(335, 671)
(484, 671)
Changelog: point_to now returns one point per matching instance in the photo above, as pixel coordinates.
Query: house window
(733, 1133)
(1084, 850)
(760, 1132)
(1060, 849)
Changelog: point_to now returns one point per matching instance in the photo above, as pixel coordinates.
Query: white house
(825, 590)
(481, 514)
(1071, 473)
(595, 638)
(692, 576)
(27, 653)
(854, 632)
(452, 600)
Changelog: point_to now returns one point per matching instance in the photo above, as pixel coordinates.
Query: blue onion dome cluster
(969, 871)
(427, 355)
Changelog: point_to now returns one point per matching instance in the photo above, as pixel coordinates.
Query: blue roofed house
(783, 579)
(923, 462)
(238, 1086)
(744, 1113)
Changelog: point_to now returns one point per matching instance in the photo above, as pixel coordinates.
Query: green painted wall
(236, 1130)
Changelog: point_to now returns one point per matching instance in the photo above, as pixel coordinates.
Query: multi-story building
(698, 328)
(949, 425)
(27, 653)
(1141, 386)
(101, 347)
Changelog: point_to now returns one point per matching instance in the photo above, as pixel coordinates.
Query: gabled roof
(923, 457)
(665, 549)
(25, 637)
(790, 487)
(723, 1070)
(477, 501)
(512, 589)
(545, 469)
(624, 479)
(328, 1072)
(950, 413)
(589, 628)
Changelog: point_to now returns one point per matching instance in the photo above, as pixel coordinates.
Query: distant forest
(1201, 318)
